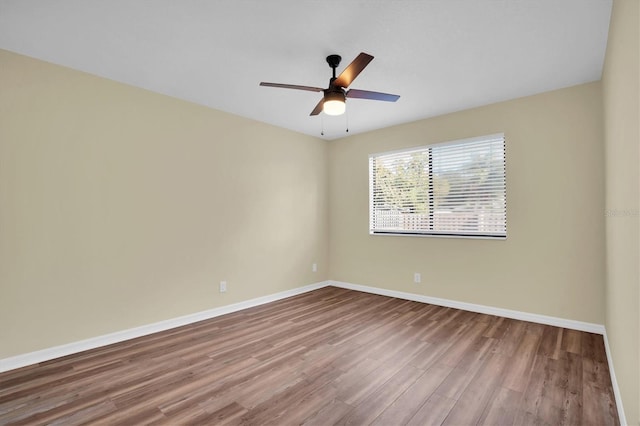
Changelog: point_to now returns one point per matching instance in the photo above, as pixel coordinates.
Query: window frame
(434, 233)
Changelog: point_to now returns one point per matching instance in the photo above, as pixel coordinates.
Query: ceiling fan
(333, 101)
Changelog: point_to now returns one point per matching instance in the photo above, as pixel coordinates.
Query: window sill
(409, 234)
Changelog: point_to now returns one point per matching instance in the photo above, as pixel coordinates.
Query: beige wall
(621, 94)
(551, 263)
(120, 207)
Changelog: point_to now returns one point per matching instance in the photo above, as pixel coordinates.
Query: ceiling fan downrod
(334, 62)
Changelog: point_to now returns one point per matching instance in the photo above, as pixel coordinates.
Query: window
(453, 189)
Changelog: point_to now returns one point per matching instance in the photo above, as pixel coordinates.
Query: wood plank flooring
(331, 356)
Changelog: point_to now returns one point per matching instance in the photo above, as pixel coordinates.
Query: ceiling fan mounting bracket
(334, 61)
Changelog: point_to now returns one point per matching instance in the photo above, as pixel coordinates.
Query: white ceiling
(439, 55)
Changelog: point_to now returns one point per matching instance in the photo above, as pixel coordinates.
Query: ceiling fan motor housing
(335, 94)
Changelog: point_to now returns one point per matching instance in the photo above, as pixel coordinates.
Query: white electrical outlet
(314, 267)
(417, 278)
(223, 286)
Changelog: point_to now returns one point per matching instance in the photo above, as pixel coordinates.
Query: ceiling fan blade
(376, 96)
(318, 109)
(292, 86)
(350, 73)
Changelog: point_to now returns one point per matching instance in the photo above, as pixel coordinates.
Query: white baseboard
(24, 360)
(483, 309)
(614, 382)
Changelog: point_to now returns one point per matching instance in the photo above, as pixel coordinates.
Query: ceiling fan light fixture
(334, 103)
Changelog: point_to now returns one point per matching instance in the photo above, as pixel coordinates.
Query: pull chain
(346, 116)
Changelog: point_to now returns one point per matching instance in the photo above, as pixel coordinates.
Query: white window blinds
(450, 189)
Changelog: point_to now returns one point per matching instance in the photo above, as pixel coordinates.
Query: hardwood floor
(331, 356)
